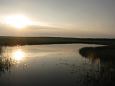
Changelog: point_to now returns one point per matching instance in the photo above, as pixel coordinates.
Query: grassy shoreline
(7, 40)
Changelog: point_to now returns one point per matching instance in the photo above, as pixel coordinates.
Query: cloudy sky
(68, 18)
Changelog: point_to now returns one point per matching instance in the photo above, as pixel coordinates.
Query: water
(57, 65)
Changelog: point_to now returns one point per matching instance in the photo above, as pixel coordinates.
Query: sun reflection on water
(10, 57)
(18, 55)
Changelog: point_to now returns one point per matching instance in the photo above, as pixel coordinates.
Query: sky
(64, 18)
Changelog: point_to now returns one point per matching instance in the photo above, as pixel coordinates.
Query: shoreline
(12, 41)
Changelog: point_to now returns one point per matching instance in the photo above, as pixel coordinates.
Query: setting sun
(17, 21)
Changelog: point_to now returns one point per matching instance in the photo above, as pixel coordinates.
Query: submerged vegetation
(105, 57)
(102, 53)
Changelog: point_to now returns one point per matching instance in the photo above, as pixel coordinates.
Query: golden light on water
(18, 55)
(17, 21)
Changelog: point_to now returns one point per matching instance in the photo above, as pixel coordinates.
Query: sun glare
(17, 21)
(18, 55)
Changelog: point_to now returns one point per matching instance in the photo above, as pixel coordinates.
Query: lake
(57, 65)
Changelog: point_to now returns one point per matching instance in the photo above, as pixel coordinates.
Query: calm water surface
(56, 65)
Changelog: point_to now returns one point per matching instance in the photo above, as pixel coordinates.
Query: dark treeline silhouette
(5, 40)
(105, 56)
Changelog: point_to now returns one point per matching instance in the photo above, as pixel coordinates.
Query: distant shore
(11, 41)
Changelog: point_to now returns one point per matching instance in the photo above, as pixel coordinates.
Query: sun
(17, 21)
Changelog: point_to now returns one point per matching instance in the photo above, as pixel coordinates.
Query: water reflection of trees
(5, 61)
(105, 56)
